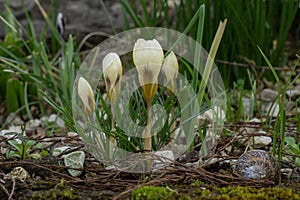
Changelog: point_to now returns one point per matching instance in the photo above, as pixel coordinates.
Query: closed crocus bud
(170, 70)
(86, 95)
(112, 71)
(148, 57)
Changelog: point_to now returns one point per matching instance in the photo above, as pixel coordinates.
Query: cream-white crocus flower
(112, 71)
(86, 95)
(170, 71)
(148, 57)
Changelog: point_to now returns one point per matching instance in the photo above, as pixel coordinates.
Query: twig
(13, 189)
(4, 189)
(244, 65)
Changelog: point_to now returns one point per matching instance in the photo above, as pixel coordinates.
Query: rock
(16, 129)
(59, 150)
(250, 129)
(268, 95)
(162, 159)
(262, 141)
(18, 173)
(82, 17)
(33, 123)
(257, 164)
(246, 104)
(286, 172)
(57, 120)
(272, 109)
(293, 93)
(32, 126)
(75, 160)
(255, 120)
(16, 121)
(215, 114)
(111, 167)
(189, 157)
(72, 134)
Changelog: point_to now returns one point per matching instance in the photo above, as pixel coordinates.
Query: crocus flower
(60, 24)
(86, 95)
(148, 57)
(170, 70)
(112, 71)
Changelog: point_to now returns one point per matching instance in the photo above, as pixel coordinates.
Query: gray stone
(257, 164)
(273, 109)
(163, 158)
(268, 95)
(262, 141)
(286, 173)
(82, 16)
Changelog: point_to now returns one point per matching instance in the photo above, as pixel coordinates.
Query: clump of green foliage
(250, 23)
(24, 147)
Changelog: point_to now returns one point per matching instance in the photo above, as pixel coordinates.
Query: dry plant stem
(4, 189)
(13, 189)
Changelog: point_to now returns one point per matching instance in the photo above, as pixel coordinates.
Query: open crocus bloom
(148, 57)
(86, 95)
(170, 70)
(112, 71)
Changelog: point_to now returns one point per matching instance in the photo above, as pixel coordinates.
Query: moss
(239, 192)
(55, 194)
(152, 192)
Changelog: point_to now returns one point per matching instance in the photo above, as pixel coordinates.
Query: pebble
(55, 118)
(257, 164)
(59, 150)
(272, 109)
(268, 95)
(215, 114)
(165, 158)
(262, 141)
(18, 173)
(246, 104)
(75, 160)
(17, 121)
(286, 173)
(72, 134)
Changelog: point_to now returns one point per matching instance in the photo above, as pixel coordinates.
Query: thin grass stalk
(108, 16)
(197, 55)
(210, 60)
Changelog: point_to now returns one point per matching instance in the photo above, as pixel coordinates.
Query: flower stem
(111, 138)
(147, 132)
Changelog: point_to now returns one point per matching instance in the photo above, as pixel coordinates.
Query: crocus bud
(148, 57)
(112, 71)
(170, 70)
(86, 95)
(60, 24)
